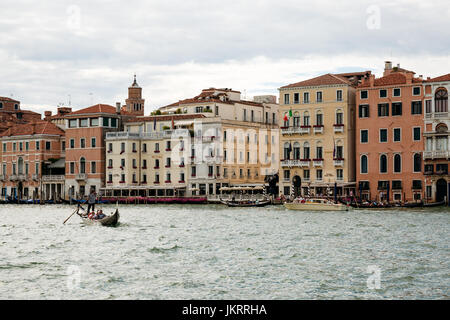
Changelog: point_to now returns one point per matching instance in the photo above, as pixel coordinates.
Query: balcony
(2, 177)
(22, 177)
(81, 176)
(437, 115)
(338, 162)
(439, 154)
(305, 129)
(295, 163)
(13, 177)
(338, 128)
(35, 177)
(317, 162)
(318, 129)
(60, 177)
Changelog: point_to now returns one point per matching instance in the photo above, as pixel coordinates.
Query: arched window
(383, 163)
(319, 150)
(397, 163)
(441, 100)
(306, 118)
(306, 151)
(20, 165)
(319, 118)
(339, 117)
(82, 165)
(417, 162)
(364, 164)
(296, 119)
(287, 150)
(296, 151)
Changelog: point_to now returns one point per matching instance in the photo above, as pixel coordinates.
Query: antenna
(70, 98)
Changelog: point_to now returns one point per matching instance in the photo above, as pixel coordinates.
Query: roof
(167, 117)
(445, 77)
(33, 128)
(98, 108)
(391, 79)
(8, 99)
(323, 80)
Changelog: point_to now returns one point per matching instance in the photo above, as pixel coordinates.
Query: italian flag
(286, 115)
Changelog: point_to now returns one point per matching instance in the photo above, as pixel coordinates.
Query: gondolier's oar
(71, 215)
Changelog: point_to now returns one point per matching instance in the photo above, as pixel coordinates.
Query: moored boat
(315, 204)
(434, 204)
(246, 203)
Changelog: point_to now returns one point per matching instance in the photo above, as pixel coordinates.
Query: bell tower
(135, 103)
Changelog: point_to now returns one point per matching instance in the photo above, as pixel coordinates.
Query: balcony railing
(81, 176)
(436, 115)
(2, 177)
(317, 163)
(445, 154)
(305, 129)
(318, 129)
(338, 128)
(35, 177)
(60, 177)
(13, 177)
(338, 162)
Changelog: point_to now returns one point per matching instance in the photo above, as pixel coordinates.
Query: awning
(60, 163)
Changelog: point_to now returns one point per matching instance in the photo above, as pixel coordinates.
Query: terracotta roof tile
(167, 117)
(32, 128)
(389, 80)
(98, 108)
(8, 99)
(325, 79)
(445, 77)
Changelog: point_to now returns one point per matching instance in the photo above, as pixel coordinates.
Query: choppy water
(214, 252)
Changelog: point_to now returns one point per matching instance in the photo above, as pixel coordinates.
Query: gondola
(109, 221)
(245, 203)
(434, 204)
(412, 205)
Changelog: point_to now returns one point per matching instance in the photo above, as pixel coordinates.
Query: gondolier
(91, 201)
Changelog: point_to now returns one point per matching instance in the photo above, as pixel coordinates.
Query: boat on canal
(108, 221)
(315, 204)
(246, 203)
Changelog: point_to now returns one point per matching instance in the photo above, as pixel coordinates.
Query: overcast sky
(88, 51)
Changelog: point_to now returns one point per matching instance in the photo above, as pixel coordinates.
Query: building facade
(28, 152)
(317, 135)
(389, 136)
(436, 133)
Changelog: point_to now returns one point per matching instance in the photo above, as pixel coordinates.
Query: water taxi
(315, 204)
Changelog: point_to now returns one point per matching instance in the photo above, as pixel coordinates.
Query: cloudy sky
(86, 52)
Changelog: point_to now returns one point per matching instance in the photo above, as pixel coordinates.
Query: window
(287, 174)
(82, 165)
(383, 135)
(72, 123)
(416, 134)
(319, 96)
(339, 174)
(339, 152)
(319, 153)
(396, 92)
(306, 119)
(428, 106)
(157, 147)
(122, 163)
(364, 111)
(110, 147)
(296, 98)
(286, 98)
(83, 123)
(417, 184)
(296, 120)
(21, 146)
(416, 91)
(396, 184)
(339, 118)
(306, 97)
(306, 151)
(441, 100)
(38, 145)
(364, 94)
(397, 135)
(296, 155)
(442, 168)
(167, 162)
(396, 108)
(82, 143)
(47, 145)
(364, 136)
(94, 122)
(27, 145)
(93, 143)
(110, 163)
(210, 171)
(168, 146)
(72, 143)
(93, 167)
(1, 105)
(4, 147)
(72, 168)
(416, 107)
(383, 93)
(306, 174)
(383, 109)
(319, 174)
(397, 163)
(338, 95)
(14, 146)
(245, 114)
(134, 163)
(16, 106)
(383, 163)
(418, 163)
(364, 164)
(106, 122)
(113, 122)
(156, 163)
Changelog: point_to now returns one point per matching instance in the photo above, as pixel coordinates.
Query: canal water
(215, 252)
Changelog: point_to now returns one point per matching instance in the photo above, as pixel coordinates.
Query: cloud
(90, 49)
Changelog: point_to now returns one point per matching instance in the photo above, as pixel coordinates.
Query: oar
(71, 215)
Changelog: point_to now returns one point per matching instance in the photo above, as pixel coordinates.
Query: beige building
(195, 146)
(317, 135)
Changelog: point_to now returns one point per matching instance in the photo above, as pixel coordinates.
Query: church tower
(135, 103)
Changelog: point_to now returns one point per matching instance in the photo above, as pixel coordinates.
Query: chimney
(47, 114)
(387, 68)
(420, 76)
(118, 107)
(372, 80)
(409, 77)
